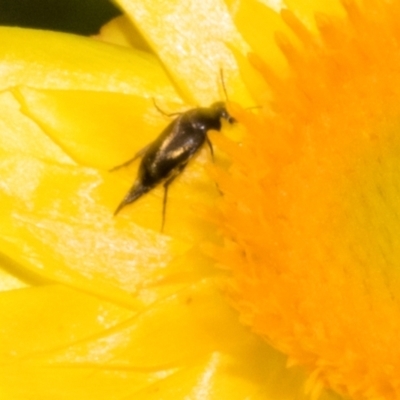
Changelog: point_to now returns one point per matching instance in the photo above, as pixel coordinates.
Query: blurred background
(77, 16)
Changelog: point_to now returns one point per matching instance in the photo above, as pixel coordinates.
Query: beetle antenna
(253, 107)
(162, 111)
(221, 73)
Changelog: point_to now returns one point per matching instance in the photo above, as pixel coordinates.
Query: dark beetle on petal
(167, 156)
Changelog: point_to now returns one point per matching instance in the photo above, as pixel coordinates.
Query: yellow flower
(96, 307)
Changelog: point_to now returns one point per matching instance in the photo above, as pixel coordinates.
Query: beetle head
(219, 108)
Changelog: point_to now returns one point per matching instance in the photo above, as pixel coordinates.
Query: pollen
(311, 203)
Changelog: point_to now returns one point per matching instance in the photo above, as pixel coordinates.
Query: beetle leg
(166, 185)
(212, 156)
(131, 160)
(211, 148)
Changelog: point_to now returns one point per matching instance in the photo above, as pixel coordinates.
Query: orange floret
(311, 203)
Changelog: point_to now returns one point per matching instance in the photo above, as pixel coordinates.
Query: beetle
(167, 156)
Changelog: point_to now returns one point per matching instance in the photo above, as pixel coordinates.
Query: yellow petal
(26, 332)
(122, 32)
(191, 38)
(98, 129)
(259, 33)
(21, 135)
(53, 60)
(307, 9)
